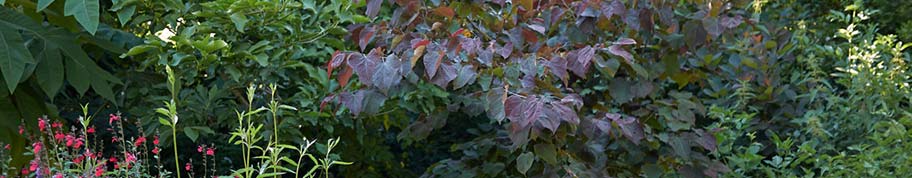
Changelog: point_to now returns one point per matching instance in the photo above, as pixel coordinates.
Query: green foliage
(588, 88)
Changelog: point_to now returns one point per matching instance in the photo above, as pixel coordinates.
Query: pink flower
(36, 147)
(210, 151)
(112, 118)
(113, 139)
(21, 130)
(78, 144)
(42, 124)
(34, 165)
(112, 159)
(139, 141)
(79, 159)
(155, 141)
(7, 147)
(59, 175)
(58, 136)
(91, 130)
(131, 157)
(69, 140)
(98, 171)
(25, 171)
(155, 150)
(188, 167)
(199, 149)
(56, 125)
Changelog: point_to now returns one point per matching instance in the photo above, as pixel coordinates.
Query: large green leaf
(48, 73)
(86, 13)
(42, 4)
(13, 56)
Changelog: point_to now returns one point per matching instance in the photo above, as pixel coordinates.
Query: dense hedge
(559, 88)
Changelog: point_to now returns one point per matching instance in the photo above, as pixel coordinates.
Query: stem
(174, 141)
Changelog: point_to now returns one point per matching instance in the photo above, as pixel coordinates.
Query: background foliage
(592, 88)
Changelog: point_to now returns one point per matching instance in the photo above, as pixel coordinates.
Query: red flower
(25, 171)
(139, 141)
(210, 151)
(188, 167)
(59, 175)
(78, 144)
(36, 147)
(98, 171)
(70, 140)
(155, 141)
(155, 150)
(58, 136)
(56, 125)
(91, 130)
(42, 124)
(112, 159)
(112, 118)
(199, 149)
(79, 159)
(21, 130)
(34, 165)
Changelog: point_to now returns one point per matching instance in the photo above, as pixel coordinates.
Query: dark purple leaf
(446, 74)
(625, 41)
(603, 125)
(537, 28)
(731, 22)
(533, 110)
(387, 73)
(586, 54)
(551, 121)
(486, 56)
(617, 50)
(432, 59)
(365, 37)
(466, 75)
(352, 101)
(506, 50)
(631, 129)
(615, 7)
(336, 61)
(633, 20)
(373, 7)
(712, 26)
(576, 66)
(513, 107)
(470, 45)
(572, 100)
(565, 113)
(558, 66)
(364, 66)
(707, 140)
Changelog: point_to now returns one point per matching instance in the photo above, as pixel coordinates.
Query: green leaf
(77, 75)
(42, 4)
(13, 56)
(86, 13)
(191, 133)
(103, 88)
(48, 74)
(164, 121)
(546, 152)
(524, 162)
(125, 14)
(240, 20)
